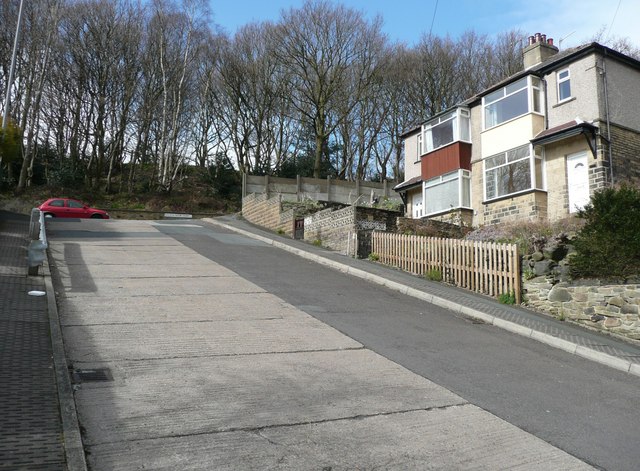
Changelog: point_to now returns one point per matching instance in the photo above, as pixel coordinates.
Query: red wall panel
(446, 159)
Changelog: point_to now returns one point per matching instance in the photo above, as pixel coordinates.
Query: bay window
(449, 191)
(513, 171)
(446, 129)
(514, 100)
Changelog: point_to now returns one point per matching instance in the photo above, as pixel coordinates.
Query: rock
(555, 252)
(559, 294)
(580, 297)
(617, 301)
(543, 267)
(611, 322)
(537, 256)
(630, 309)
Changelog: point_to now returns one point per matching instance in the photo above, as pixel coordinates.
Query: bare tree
(331, 55)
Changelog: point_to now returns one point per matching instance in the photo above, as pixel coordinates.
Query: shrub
(608, 246)
(507, 298)
(374, 257)
(434, 275)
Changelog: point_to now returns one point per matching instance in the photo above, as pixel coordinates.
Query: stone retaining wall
(548, 287)
(611, 308)
(342, 229)
(267, 212)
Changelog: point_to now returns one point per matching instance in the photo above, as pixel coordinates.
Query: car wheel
(96, 216)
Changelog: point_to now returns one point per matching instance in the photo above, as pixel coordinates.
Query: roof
(415, 181)
(557, 61)
(563, 131)
(554, 62)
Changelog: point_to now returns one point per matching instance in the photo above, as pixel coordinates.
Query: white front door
(578, 181)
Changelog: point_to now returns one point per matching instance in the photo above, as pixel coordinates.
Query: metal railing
(37, 250)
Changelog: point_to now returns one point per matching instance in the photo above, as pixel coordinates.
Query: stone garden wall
(596, 304)
(267, 212)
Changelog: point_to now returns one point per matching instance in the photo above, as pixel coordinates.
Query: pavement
(37, 400)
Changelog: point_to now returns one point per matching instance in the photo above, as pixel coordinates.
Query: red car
(70, 208)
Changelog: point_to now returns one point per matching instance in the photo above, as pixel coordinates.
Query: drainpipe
(546, 102)
(606, 110)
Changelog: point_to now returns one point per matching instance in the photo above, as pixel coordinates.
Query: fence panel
(483, 267)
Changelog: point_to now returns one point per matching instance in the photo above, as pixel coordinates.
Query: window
(57, 203)
(516, 99)
(448, 191)
(564, 85)
(448, 128)
(513, 171)
(75, 204)
(419, 148)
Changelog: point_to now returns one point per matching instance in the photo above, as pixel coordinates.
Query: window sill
(566, 100)
(446, 211)
(512, 195)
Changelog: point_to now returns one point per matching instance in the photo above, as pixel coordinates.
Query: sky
(568, 22)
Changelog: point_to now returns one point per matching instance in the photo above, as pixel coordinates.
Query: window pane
(75, 204)
(57, 203)
(442, 197)
(518, 153)
(564, 90)
(465, 133)
(491, 97)
(508, 179)
(466, 192)
(506, 109)
(563, 74)
(494, 161)
(537, 106)
(539, 183)
(441, 135)
(522, 83)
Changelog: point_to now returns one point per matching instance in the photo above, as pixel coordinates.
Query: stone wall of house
(626, 155)
(529, 206)
(548, 287)
(267, 212)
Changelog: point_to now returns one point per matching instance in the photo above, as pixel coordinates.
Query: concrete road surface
(203, 369)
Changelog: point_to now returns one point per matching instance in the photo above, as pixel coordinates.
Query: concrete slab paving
(211, 372)
(142, 271)
(158, 287)
(459, 437)
(74, 255)
(200, 339)
(180, 308)
(188, 396)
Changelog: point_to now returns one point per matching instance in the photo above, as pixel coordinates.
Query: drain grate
(92, 375)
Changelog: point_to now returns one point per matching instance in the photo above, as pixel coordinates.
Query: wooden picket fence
(483, 267)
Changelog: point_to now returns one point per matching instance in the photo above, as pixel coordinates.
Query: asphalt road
(581, 407)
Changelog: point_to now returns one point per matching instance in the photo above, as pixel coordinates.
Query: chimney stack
(538, 50)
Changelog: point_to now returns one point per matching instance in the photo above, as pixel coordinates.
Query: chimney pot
(531, 40)
(544, 38)
(538, 37)
(550, 41)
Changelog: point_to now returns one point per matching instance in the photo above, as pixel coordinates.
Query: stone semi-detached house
(534, 146)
